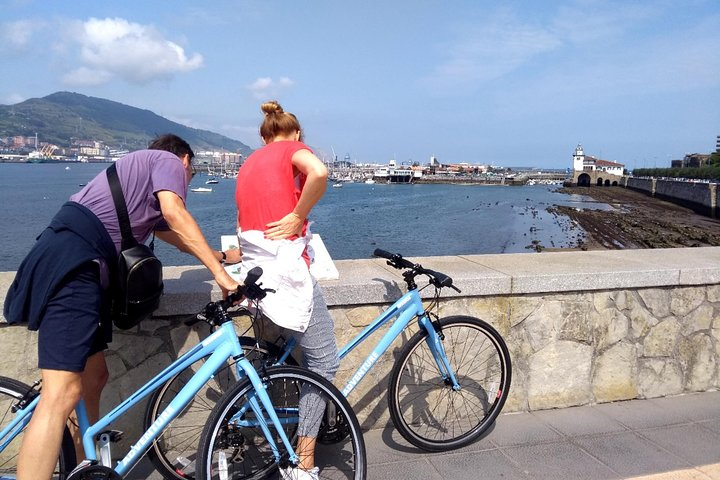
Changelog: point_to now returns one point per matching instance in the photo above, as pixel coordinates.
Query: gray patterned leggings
(319, 354)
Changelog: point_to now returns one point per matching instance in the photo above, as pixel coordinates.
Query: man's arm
(185, 234)
(168, 236)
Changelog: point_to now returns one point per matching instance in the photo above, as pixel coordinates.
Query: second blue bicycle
(446, 388)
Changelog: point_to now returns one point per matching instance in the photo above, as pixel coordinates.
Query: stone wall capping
(372, 281)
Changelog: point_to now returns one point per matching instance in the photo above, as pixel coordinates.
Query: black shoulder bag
(139, 274)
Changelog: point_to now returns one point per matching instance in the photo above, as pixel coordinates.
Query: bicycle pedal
(113, 436)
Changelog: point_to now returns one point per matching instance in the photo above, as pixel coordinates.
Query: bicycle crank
(94, 472)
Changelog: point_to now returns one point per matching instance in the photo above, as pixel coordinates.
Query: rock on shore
(638, 221)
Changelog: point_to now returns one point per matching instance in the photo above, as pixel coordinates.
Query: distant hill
(62, 116)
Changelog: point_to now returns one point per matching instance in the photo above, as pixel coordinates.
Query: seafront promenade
(584, 329)
(670, 438)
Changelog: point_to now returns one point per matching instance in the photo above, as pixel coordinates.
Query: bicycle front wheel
(425, 409)
(174, 452)
(12, 391)
(233, 446)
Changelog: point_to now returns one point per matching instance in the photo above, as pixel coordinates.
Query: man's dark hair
(173, 144)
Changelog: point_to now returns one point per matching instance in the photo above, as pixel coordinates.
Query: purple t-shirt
(142, 174)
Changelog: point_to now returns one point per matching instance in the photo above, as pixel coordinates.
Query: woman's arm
(315, 185)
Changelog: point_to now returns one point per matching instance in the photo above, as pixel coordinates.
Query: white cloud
(491, 50)
(15, 37)
(115, 48)
(265, 88)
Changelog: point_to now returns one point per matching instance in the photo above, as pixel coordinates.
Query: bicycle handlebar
(250, 289)
(396, 260)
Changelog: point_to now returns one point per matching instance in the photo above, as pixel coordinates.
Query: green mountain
(63, 116)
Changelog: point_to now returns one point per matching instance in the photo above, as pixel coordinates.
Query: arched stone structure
(599, 178)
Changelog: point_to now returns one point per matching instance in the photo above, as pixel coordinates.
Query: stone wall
(582, 327)
(701, 197)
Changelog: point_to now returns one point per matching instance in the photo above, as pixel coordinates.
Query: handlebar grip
(379, 252)
(394, 259)
(253, 275)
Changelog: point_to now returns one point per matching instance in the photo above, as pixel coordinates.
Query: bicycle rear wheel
(174, 452)
(11, 391)
(426, 410)
(236, 448)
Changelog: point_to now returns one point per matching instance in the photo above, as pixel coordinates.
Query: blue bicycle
(447, 386)
(259, 413)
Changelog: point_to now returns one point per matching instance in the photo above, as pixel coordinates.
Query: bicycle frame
(403, 311)
(218, 347)
(406, 308)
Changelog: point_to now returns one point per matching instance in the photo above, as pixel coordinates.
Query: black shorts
(70, 329)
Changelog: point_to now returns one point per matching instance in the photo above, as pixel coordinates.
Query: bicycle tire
(427, 412)
(245, 449)
(10, 392)
(174, 452)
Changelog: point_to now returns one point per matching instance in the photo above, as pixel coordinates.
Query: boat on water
(337, 185)
(395, 174)
(201, 189)
(211, 181)
(370, 181)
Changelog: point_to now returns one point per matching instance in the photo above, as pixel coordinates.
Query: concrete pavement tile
(713, 425)
(577, 421)
(688, 474)
(410, 470)
(387, 445)
(692, 443)
(522, 428)
(712, 471)
(489, 464)
(629, 454)
(558, 461)
(694, 406)
(639, 414)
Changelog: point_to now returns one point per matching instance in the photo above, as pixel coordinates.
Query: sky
(512, 83)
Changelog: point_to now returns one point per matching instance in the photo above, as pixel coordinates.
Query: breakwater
(582, 327)
(703, 198)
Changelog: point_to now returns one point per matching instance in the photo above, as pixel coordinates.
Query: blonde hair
(277, 121)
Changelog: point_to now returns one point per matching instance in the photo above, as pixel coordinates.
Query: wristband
(224, 257)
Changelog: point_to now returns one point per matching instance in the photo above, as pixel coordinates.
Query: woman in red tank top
(277, 187)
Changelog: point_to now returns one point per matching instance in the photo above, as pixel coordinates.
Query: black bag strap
(128, 241)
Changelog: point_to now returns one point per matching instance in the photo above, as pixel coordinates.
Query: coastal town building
(588, 170)
(582, 162)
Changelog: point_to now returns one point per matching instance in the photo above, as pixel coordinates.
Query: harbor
(434, 172)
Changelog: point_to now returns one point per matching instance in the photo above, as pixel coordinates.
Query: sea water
(413, 220)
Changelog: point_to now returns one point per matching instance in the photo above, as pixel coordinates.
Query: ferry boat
(394, 174)
(201, 189)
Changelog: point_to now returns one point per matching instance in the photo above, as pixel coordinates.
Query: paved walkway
(659, 439)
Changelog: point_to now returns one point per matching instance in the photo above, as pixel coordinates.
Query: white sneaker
(291, 473)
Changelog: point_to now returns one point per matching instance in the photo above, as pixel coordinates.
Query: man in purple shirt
(61, 288)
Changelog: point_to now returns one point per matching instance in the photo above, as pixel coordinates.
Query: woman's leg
(319, 355)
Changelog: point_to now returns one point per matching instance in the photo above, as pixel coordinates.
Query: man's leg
(65, 344)
(40, 447)
(94, 379)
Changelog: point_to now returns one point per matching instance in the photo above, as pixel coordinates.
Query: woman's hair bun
(271, 107)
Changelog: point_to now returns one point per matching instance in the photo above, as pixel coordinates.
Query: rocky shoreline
(637, 220)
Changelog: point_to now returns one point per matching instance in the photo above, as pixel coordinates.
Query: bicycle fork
(259, 401)
(434, 341)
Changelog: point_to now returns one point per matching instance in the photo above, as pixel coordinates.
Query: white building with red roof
(588, 163)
